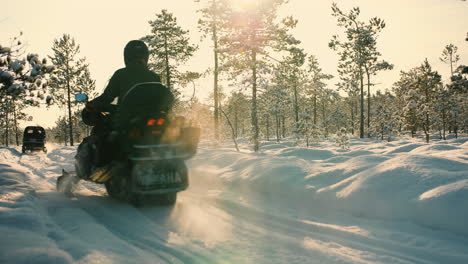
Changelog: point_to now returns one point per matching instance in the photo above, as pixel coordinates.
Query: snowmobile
(144, 151)
(34, 139)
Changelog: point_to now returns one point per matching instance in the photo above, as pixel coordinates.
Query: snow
(378, 202)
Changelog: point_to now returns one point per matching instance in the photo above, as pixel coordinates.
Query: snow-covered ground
(379, 202)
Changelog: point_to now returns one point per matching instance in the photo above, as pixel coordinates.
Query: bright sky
(416, 29)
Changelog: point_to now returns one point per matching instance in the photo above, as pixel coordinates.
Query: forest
(265, 87)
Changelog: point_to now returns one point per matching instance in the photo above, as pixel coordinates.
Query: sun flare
(243, 5)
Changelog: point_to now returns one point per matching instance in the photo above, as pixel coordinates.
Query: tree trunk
(325, 123)
(352, 118)
(7, 125)
(283, 119)
(426, 128)
(243, 127)
(315, 109)
(296, 106)
(444, 124)
(215, 86)
(16, 126)
(268, 128)
(451, 65)
(236, 121)
(368, 102)
(166, 57)
(361, 126)
(455, 127)
(254, 101)
(277, 127)
(65, 138)
(232, 129)
(69, 112)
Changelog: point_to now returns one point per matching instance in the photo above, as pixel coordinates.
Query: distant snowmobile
(144, 152)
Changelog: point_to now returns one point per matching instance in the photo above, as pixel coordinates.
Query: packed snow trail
(271, 207)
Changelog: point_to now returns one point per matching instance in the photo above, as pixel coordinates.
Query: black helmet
(136, 50)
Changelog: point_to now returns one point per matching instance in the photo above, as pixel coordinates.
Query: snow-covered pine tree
(252, 36)
(215, 14)
(358, 53)
(458, 88)
(327, 99)
(237, 108)
(342, 138)
(304, 128)
(385, 119)
(349, 84)
(59, 133)
(23, 82)
(314, 83)
(444, 106)
(337, 116)
(276, 101)
(419, 86)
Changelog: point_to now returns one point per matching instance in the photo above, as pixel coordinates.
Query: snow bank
(399, 180)
(25, 236)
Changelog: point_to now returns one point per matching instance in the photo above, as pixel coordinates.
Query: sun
(243, 5)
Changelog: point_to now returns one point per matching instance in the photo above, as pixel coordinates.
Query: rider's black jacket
(122, 80)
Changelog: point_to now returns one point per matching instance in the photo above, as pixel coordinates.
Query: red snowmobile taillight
(153, 121)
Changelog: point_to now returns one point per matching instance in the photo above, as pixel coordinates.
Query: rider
(97, 149)
(136, 56)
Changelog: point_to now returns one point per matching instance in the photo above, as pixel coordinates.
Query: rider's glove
(91, 107)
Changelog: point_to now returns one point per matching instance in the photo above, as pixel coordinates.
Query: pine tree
(385, 121)
(213, 22)
(358, 54)
(349, 83)
(275, 102)
(71, 76)
(253, 33)
(458, 89)
(59, 133)
(23, 82)
(342, 138)
(293, 77)
(327, 99)
(450, 56)
(169, 47)
(237, 109)
(419, 86)
(315, 82)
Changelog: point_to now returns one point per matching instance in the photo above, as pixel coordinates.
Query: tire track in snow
(126, 224)
(35, 163)
(259, 234)
(40, 166)
(248, 216)
(368, 244)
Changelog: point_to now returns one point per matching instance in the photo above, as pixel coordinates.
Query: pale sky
(416, 29)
